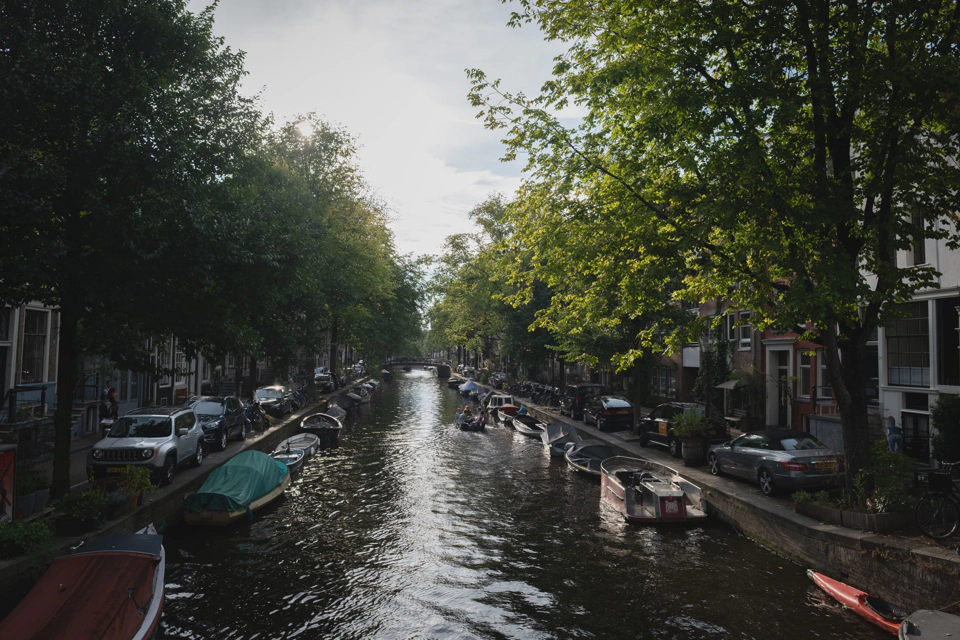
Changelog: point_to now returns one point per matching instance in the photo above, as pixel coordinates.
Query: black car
(221, 417)
(657, 426)
(325, 382)
(275, 400)
(575, 396)
(609, 413)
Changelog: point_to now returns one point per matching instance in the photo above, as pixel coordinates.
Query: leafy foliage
(945, 416)
(19, 537)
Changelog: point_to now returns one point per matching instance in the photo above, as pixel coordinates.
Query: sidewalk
(79, 449)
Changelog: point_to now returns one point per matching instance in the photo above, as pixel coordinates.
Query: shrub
(822, 497)
(892, 478)
(82, 506)
(20, 537)
(945, 415)
(137, 479)
(689, 424)
(801, 497)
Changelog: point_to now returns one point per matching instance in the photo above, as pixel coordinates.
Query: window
(672, 383)
(179, 365)
(824, 389)
(919, 249)
(34, 345)
(803, 375)
(731, 326)
(908, 348)
(916, 435)
(745, 330)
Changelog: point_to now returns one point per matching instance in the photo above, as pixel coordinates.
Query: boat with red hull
(647, 492)
(110, 588)
(876, 610)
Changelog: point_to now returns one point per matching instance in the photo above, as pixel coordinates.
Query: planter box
(694, 452)
(24, 506)
(827, 515)
(71, 527)
(874, 522)
(40, 499)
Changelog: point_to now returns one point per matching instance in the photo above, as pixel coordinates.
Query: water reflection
(413, 529)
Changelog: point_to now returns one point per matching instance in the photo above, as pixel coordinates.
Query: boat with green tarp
(235, 490)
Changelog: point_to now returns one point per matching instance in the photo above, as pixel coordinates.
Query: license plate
(624, 413)
(114, 469)
(825, 465)
(662, 428)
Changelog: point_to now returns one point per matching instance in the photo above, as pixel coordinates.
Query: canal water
(413, 529)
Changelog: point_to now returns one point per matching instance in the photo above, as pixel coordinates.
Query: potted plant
(137, 482)
(40, 484)
(80, 512)
(691, 428)
(23, 507)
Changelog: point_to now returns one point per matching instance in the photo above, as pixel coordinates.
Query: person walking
(104, 409)
(114, 402)
(894, 436)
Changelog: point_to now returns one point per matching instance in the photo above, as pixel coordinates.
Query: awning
(732, 384)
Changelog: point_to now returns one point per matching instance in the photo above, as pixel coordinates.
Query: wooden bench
(738, 419)
(180, 395)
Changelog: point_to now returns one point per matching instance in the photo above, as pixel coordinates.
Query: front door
(783, 386)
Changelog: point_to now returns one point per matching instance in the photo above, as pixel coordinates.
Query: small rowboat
(586, 456)
(293, 458)
(243, 484)
(925, 623)
(326, 426)
(556, 437)
(306, 442)
(528, 425)
(110, 588)
(506, 412)
(878, 611)
(454, 383)
(647, 492)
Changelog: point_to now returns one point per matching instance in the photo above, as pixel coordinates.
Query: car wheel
(767, 484)
(599, 424)
(674, 447)
(166, 474)
(197, 458)
(714, 463)
(244, 429)
(221, 442)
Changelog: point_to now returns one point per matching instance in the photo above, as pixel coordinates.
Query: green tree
(119, 120)
(774, 154)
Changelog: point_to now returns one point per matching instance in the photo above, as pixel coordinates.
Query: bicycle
(937, 514)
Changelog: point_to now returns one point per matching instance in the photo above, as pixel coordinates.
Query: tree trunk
(638, 379)
(846, 373)
(62, 419)
(253, 378)
(334, 325)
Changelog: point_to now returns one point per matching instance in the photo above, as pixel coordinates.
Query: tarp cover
(85, 596)
(594, 449)
(232, 487)
(469, 385)
(556, 432)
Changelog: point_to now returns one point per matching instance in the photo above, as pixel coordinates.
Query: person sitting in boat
(522, 412)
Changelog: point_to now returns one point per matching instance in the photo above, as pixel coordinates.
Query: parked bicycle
(256, 416)
(937, 513)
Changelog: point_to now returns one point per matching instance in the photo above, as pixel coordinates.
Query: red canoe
(879, 612)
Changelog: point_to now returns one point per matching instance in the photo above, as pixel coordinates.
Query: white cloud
(393, 74)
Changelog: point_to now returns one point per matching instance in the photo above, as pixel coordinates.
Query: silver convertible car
(779, 459)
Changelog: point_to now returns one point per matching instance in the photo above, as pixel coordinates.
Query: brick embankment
(907, 571)
(164, 506)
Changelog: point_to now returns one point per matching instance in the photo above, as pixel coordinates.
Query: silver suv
(159, 438)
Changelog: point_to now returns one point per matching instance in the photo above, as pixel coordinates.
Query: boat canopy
(86, 595)
(559, 432)
(232, 487)
(469, 385)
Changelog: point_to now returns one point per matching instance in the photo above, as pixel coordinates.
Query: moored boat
(111, 587)
(586, 456)
(306, 442)
(647, 492)
(326, 426)
(467, 388)
(469, 422)
(386, 374)
(871, 608)
(925, 623)
(293, 458)
(454, 383)
(244, 483)
(528, 425)
(407, 368)
(506, 412)
(556, 437)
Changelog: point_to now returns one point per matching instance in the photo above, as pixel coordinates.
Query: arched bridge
(443, 369)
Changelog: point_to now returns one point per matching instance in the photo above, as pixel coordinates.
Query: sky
(392, 73)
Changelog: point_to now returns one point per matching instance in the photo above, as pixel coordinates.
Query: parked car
(221, 418)
(498, 380)
(275, 400)
(779, 459)
(159, 438)
(657, 426)
(574, 398)
(325, 382)
(609, 413)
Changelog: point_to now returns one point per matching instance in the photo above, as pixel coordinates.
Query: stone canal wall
(908, 571)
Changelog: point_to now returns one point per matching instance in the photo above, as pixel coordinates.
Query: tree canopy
(776, 155)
